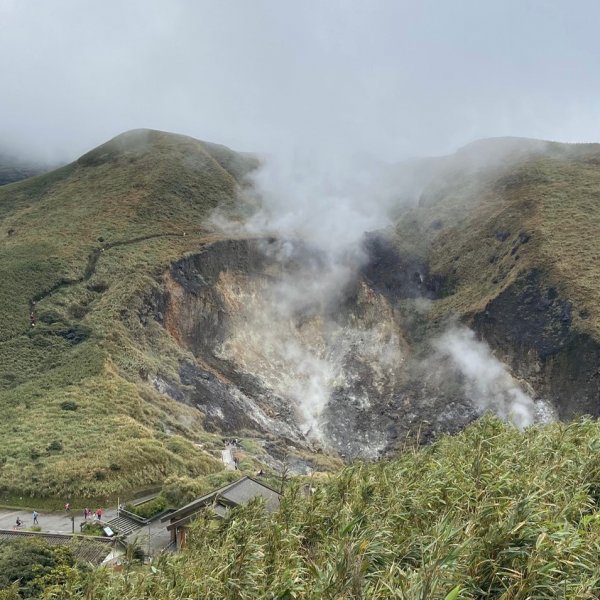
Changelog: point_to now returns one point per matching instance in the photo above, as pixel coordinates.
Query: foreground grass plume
(490, 513)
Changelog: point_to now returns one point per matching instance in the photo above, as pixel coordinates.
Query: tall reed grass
(490, 513)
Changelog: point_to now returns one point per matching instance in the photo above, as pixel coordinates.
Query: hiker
(67, 506)
(32, 319)
(99, 514)
(35, 516)
(19, 522)
(85, 514)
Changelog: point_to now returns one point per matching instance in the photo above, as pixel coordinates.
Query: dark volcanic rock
(374, 403)
(396, 276)
(358, 336)
(526, 315)
(532, 329)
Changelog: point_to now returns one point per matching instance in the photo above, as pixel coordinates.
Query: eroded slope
(322, 369)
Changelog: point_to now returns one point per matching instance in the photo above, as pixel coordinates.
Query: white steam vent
(487, 381)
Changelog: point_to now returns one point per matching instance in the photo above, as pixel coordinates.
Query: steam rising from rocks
(487, 381)
(323, 207)
(330, 201)
(294, 333)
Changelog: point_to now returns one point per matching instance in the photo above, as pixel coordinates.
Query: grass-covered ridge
(499, 208)
(82, 247)
(496, 512)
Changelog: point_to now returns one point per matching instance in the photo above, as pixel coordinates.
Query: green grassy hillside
(79, 248)
(490, 513)
(83, 248)
(499, 208)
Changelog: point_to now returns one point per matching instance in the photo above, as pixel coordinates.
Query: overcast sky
(390, 78)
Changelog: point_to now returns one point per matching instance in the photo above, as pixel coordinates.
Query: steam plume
(322, 207)
(295, 332)
(487, 381)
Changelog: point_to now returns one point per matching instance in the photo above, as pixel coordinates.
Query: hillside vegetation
(501, 207)
(86, 363)
(490, 513)
(80, 248)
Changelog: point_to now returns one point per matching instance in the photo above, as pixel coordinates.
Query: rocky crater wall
(284, 344)
(531, 327)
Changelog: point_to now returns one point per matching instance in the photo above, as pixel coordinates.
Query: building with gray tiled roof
(220, 501)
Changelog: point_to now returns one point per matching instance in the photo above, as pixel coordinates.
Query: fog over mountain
(331, 95)
(387, 79)
(336, 259)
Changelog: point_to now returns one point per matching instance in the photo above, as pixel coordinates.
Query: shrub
(78, 311)
(10, 593)
(149, 509)
(99, 287)
(29, 560)
(55, 446)
(9, 377)
(134, 553)
(181, 490)
(49, 317)
(92, 528)
(69, 405)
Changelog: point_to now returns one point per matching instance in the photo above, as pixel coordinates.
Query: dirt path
(227, 458)
(92, 263)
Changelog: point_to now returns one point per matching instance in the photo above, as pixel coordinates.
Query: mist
(388, 79)
(330, 200)
(320, 206)
(330, 94)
